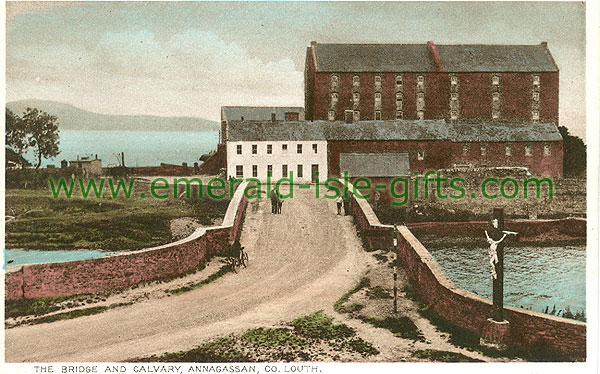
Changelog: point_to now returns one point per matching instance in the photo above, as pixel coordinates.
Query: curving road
(300, 261)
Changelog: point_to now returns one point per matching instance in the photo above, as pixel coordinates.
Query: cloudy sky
(188, 59)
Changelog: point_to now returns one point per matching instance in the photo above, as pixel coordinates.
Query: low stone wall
(100, 274)
(529, 230)
(375, 234)
(528, 330)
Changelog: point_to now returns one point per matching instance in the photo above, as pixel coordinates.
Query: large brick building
(505, 83)
(379, 109)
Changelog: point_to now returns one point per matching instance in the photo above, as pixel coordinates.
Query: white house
(277, 148)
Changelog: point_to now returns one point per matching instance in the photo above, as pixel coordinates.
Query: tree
(42, 133)
(16, 136)
(574, 159)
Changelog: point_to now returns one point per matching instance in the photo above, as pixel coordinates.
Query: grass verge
(339, 306)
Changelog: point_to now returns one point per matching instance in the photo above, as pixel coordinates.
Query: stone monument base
(494, 334)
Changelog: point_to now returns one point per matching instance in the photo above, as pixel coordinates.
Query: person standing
(339, 203)
(274, 201)
(279, 204)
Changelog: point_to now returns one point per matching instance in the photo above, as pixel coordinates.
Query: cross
(495, 236)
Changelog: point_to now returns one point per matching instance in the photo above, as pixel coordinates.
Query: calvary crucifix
(495, 237)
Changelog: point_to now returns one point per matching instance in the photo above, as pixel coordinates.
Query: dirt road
(300, 261)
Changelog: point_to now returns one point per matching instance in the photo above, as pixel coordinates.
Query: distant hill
(73, 118)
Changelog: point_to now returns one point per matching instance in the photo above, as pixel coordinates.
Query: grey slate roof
(375, 164)
(417, 58)
(496, 58)
(256, 113)
(388, 130)
(325, 130)
(505, 132)
(373, 57)
(275, 131)
(392, 130)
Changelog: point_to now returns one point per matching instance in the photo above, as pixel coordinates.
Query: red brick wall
(527, 329)
(115, 272)
(529, 230)
(441, 154)
(475, 95)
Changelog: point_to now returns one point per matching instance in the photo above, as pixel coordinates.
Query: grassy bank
(45, 222)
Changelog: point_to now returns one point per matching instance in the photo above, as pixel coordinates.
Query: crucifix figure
(495, 237)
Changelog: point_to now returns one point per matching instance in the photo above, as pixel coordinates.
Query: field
(44, 222)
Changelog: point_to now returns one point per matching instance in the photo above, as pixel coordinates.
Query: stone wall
(528, 330)
(100, 274)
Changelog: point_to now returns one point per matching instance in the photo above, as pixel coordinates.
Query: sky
(189, 59)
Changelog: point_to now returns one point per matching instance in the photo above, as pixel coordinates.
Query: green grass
(319, 326)
(211, 278)
(40, 305)
(218, 350)
(464, 338)
(361, 346)
(402, 327)
(44, 222)
(378, 292)
(339, 306)
(270, 337)
(443, 356)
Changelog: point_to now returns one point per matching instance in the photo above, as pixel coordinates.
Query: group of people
(276, 202)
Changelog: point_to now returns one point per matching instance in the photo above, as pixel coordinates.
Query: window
(454, 80)
(355, 81)
(377, 115)
(356, 97)
(399, 114)
(334, 82)
(453, 114)
(420, 81)
(334, 99)
(420, 155)
(527, 150)
(420, 101)
(420, 115)
(398, 104)
(465, 149)
(331, 115)
(483, 150)
(495, 80)
(269, 170)
(255, 171)
(254, 149)
(269, 149)
(454, 96)
(299, 148)
(495, 97)
(239, 149)
(495, 114)
(299, 174)
(535, 115)
(377, 82)
(536, 96)
(547, 151)
(315, 148)
(378, 100)
(398, 81)
(356, 115)
(239, 171)
(536, 80)
(284, 147)
(284, 171)
(508, 150)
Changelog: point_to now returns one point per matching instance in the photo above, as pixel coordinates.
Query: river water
(24, 256)
(534, 277)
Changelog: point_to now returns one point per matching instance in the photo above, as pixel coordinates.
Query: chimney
(435, 56)
(273, 117)
(544, 44)
(313, 43)
(96, 156)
